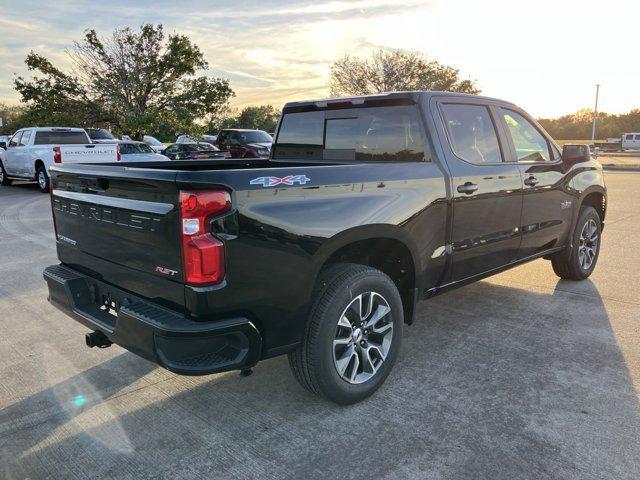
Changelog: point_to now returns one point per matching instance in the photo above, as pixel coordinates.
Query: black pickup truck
(366, 206)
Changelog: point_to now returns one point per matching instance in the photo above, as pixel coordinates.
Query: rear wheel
(43, 179)
(353, 334)
(4, 180)
(579, 261)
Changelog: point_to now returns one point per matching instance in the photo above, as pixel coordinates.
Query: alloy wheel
(588, 246)
(363, 337)
(42, 179)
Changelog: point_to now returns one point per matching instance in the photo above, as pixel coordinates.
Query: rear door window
(472, 133)
(637, 137)
(530, 144)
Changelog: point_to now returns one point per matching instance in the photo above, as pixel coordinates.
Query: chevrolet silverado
(366, 206)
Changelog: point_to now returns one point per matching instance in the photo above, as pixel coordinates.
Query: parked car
(100, 135)
(630, 141)
(131, 151)
(31, 151)
(194, 151)
(155, 144)
(366, 206)
(245, 143)
(206, 138)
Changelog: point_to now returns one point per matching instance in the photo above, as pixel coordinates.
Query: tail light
(57, 155)
(118, 154)
(227, 154)
(202, 253)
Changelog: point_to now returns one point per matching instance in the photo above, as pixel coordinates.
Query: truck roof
(54, 129)
(411, 96)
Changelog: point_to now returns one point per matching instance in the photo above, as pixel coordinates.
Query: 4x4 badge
(273, 181)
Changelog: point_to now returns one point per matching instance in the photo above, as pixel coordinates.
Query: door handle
(531, 181)
(467, 188)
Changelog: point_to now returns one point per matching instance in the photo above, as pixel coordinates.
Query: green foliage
(13, 118)
(577, 126)
(260, 117)
(393, 71)
(135, 82)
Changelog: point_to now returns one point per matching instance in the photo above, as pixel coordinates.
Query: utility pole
(595, 114)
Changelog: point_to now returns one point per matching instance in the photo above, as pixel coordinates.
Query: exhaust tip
(97, 339)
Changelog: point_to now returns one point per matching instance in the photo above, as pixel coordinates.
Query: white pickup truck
(31, 151)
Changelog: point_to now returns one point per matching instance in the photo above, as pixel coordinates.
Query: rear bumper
(153, 332)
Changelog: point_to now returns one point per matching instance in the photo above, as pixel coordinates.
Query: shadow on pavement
(493, 382)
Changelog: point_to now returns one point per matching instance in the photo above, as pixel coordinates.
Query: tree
(577, 126)
(13, 118)
(261, 117)
(135, 82)
(394, 70)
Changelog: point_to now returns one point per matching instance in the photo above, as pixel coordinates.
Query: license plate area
(109, 305)
(104, 304)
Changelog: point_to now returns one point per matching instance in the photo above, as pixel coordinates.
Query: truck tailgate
(120, 226)
(90, 153)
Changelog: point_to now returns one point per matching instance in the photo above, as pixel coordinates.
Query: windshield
(255, 137)
(134, 148)
(153, 141)
(100, 134)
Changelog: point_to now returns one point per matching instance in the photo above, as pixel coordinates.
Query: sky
(544, 55)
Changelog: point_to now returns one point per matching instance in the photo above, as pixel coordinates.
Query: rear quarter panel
(278, 239)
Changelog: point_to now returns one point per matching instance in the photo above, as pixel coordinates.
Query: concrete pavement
(518, 376)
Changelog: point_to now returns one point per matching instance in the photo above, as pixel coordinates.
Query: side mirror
(574, 153)
(3, 145)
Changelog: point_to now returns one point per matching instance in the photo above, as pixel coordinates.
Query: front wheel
(579, 260)
(353, 334)
(43, 179)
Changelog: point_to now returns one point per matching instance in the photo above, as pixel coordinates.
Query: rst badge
(274, 181)
(165, 271)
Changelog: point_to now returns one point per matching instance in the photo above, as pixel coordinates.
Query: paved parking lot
(519, 376)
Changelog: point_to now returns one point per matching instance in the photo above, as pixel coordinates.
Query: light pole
(595, 114)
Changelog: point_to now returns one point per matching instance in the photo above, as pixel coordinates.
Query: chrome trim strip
(115, 202)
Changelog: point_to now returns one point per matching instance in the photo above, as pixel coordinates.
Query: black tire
(569, 263)
(43, 183)
(315, 364)
(4, 180)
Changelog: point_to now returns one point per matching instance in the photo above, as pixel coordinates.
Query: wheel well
(389, 256)
(597, 201)
(39, 163)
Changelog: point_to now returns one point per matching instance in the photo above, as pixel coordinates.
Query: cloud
(279, 50)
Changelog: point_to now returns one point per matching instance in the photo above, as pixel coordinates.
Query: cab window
(530, 144)
(372, 134)
(472, 133)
